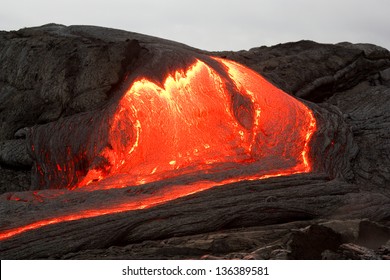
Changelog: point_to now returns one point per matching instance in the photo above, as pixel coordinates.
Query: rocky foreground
(341, 210)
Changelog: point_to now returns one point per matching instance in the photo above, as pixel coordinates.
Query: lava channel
(209, 125)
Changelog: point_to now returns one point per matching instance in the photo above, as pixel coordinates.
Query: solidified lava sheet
(214, 123)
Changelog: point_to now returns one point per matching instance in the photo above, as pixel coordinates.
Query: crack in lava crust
(217, 127)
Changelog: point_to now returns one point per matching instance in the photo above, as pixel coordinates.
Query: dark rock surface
(340, 211)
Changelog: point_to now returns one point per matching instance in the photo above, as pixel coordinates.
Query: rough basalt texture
(339, 211)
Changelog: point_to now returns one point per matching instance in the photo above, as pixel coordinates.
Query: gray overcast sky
(216, 25)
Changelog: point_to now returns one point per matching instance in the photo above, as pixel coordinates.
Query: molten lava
(209, 125)
(201, 121)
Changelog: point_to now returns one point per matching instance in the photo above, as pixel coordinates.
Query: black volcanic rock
(315, 71)
(54, 73)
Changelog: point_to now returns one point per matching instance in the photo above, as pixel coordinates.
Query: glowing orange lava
(194, 122)
(234, 125)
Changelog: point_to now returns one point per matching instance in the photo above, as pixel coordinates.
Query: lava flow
(210, 125)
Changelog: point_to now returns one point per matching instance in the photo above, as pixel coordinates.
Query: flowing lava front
(214, 127)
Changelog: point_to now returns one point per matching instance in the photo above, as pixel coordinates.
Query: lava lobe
(218, 118)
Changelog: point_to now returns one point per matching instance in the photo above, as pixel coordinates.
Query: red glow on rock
(233, 124)
(16, 198)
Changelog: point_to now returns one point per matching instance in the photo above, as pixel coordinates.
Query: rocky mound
(340, 210)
